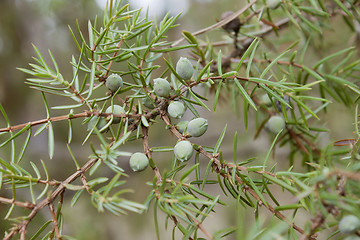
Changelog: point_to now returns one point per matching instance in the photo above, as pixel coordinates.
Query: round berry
(115, 109)
(352, 237)
(197, 127)
(183, 151)
(114, 82)
(184, 68)
(266, 100)
(275, 124)
(176, 109)
(138, 162)
(182, 126)
(349, 224)
(162, 87)
(273, 4)
(149, 103)
(100, 123)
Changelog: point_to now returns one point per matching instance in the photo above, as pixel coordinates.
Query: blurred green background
(45, 24)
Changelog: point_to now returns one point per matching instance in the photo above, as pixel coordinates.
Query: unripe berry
(162, 87)
(99, 125)
(273, 4)
(184, 68)
(115, 109)
(349, 224)
(182, 126)
(197, 127)
(275, 124)
(183, 151)
(352, 237)
(138, 162)
(114, 82)
(176, 109)
(266, 100)
(147, 102)
(102, 122)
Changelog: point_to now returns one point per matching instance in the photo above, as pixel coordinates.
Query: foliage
(262, 82)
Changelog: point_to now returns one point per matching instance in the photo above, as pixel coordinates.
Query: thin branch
(21, 227)
(218, 168)
(66, 117)
(201, 227)
(351, 175)
(55, 222)
(113, 56)
(52, 119)
(86, 186)
(295, 138)
(31, 179)
(218, 24)
(238, 52)
(78, 95)
(27, 205)
(268, 206)
(172, 217)
(316, 222)
(147, 152)
(280, 62)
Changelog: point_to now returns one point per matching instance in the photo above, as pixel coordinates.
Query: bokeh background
(45, 24)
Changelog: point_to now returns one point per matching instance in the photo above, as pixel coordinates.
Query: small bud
(115, 109)
(138, 162)
(197, 127)
(176, 109)
(184, 68)
(147, 102)
(98, 73)
(183, 151)
(162, 87)
(182, 126)
(196, 147)
(349, 224)
(114, 82)
(275, 124)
